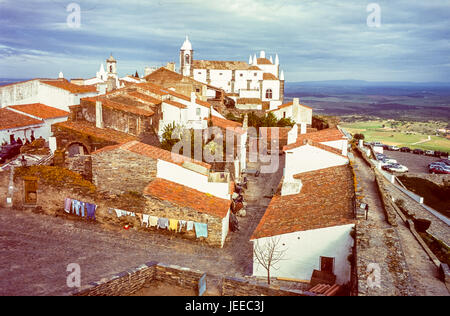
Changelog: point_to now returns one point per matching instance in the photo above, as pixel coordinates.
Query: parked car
(386, 147)
(445, 161)
(377, 144)
(439, 169)
(429, 152)
(393, 148)
(9, 151)
(389, 160)
(418, 151)
(395, 167)
(405, 149)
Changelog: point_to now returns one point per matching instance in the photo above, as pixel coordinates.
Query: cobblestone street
(36, 249)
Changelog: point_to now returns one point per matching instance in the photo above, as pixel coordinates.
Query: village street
(390, 247)
(36, 249)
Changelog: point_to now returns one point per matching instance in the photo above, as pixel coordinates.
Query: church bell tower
(186, 58)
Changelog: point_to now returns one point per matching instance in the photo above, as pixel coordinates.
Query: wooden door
(327, 264)
(30, 191)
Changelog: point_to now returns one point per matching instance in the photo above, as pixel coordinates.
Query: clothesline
(201, 229)
(78, 208)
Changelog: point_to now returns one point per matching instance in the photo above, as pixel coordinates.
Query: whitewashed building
(108, 80)
(260, 78)
(312, 213)
(58, 93)
(299, 113)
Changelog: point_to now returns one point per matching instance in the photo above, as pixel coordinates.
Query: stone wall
(65, 137)
(130, 281)
(81, 164)
(118, 171)
(439, 179)
(241, 287)
(4, 183)
(50, 201)
(124, 283)
(178, 276)
(166, 209)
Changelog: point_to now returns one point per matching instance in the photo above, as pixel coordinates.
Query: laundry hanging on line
(173, 224)
(67, 205)
(201, 230)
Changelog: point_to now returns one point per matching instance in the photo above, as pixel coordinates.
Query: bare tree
(268, 254)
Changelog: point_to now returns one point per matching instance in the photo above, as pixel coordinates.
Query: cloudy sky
(315, 39)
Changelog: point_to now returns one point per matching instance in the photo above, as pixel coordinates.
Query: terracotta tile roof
(106, 149)
(269, 76)
(153, 152)
(158, 153)
(287, 105)
(176, 104)
(186, 197)
(216, 64)
(263, 61)
(72, 88)
(254, 68)
(144, 97)
(101, 133)
(164, 75)
(186, 98)
(40, 110)
(151, 87)
(325, 200)
(10, 119)
(325, 135)
(227, 124)
(249, 101)
(119, 106)
(203, 103)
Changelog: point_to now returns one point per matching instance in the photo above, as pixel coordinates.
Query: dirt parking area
(415, 163)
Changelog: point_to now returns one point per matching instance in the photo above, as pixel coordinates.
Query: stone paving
(36, 249)
(377, 244)
(393, 249)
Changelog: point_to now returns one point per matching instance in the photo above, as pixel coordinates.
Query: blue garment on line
(90, 208)
(78, 206)
(201, 230)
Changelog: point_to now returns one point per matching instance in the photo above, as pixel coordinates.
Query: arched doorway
(77, 148)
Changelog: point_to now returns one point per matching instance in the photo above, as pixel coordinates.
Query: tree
(136, 74)
(285, 122)
(358, 136)
(169, 137)
(270, 120)
(268, 254)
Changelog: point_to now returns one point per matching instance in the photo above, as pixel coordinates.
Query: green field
(401, 133)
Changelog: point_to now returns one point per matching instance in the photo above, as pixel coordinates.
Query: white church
(107, 80)
(256, 85)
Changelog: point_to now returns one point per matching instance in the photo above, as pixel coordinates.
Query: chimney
(303, 128)
(245, 123)
(296, 112)
(344, 147)
(98, 114)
